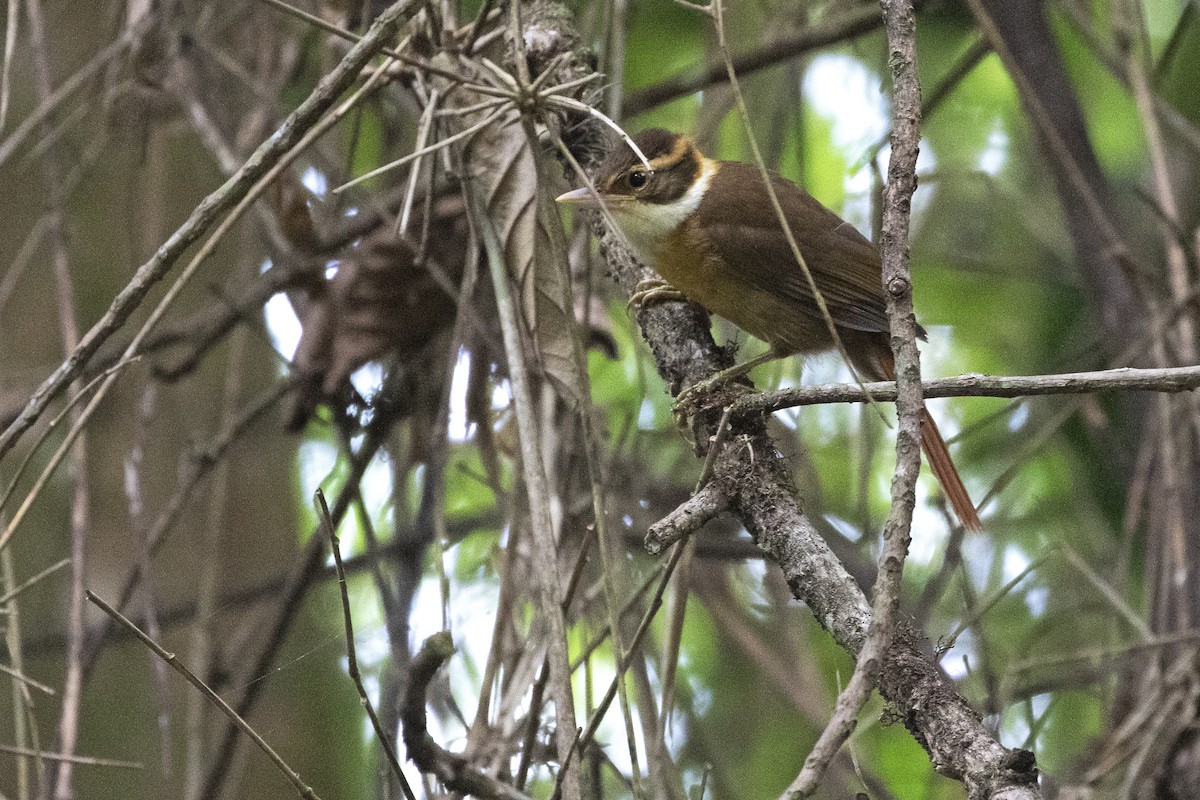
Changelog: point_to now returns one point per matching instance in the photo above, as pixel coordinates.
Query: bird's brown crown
(675, 164)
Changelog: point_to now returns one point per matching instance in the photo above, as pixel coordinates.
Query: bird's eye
(638, 179)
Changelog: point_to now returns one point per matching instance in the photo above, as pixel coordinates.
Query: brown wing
(745, 231)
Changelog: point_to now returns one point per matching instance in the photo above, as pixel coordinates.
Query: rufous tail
(932, 443)
(943, 467)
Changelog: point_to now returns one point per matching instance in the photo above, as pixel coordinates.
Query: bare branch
(351, 652)
(1167, 379)
(689, 517)
(452, 770)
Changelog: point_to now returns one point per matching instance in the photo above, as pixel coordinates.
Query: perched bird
(709, 229)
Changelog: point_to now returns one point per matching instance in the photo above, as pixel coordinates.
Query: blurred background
(349, 341)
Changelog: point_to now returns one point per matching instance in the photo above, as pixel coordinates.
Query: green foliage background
(995, 285)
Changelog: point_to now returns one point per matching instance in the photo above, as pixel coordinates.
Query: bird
(709, 229)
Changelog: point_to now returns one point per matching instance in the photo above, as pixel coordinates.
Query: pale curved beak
(583, 196)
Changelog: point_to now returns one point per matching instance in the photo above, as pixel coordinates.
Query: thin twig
(205, 457)
(21, 677)
(1166, 379)
(651, 611)
(47, 106)
(424, 151)
(53, 173)
(385, 741)
(87, 761)
(549, 592)
(29, 457)
(173, 661)
(31, 582)
(851, 25)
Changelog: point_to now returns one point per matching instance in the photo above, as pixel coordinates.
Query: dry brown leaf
(379, 302)
(501, 160)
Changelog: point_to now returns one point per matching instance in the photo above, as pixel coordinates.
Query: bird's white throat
(645, 225)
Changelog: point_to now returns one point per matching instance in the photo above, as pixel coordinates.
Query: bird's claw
(717, 391)
(651, 291)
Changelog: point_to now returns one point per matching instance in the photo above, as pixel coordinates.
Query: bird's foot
(718, 391)
(654, 290)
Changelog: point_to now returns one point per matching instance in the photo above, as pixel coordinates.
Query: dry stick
(971, 58)
(485, 9)
(1052, 137)
(613, 64)
(1176, 455)
(68, 324)
(451, 769)
(10, 45)
(718, 441)
(25, 726)
(29, 248)
(21, 677)
(900, 23)
(610, 544)
(206, 214)
(12, 594)
(1102, 656)
(134, 493)
(88, 761)
(549, 592)
(348, 36)
(424, 151)
(63, 414)
(1110, 594)
(208, 547)
(567, 762)
(289, 601)
(385, 740)
(672, 643)
(71, 85)
(602, 635)
(424, 127)
(585, 738)
(1183, 127)
(539, 684)
(980, 609)
(1166, 379)
(173, 661)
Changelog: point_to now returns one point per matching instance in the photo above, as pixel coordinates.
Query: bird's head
(650, 199)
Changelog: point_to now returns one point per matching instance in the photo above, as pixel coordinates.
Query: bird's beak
(583, 196)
